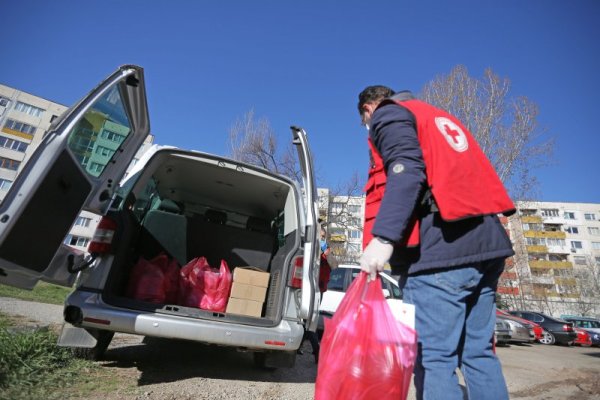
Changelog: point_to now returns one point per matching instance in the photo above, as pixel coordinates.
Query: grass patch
(33, 367)
(43, 292)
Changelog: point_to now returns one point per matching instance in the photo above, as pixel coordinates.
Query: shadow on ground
(164, 360)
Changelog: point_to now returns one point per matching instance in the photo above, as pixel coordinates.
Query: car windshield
(336, 280)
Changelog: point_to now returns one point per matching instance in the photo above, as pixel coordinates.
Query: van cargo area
(190, 206)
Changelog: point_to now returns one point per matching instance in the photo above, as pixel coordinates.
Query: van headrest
(169, 206)
(216, 217)
(258, 225)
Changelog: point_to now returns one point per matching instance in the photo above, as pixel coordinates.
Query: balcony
(508, 290)
(509, 275)
(545, 234)
(566, 281)
(543, 280)
(337, 238)
(537, 249)
(531, 219)
(543, 264)
(545, 293)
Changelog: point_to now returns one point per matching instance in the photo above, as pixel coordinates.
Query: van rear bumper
(96, 314)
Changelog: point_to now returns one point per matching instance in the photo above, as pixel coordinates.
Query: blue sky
(207, 63)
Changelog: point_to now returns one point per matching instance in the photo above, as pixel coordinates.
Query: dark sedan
(555, 330)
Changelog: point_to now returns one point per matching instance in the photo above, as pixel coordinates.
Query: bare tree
(506, 128)
(254, 141)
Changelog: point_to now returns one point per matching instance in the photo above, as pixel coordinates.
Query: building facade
(343, 216)
(556, 268)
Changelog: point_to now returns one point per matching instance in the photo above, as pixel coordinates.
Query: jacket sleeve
(393, 132)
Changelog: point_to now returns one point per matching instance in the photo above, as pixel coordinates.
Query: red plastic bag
(204, 287)
(171, 281)
(146, 281)
(365, 352)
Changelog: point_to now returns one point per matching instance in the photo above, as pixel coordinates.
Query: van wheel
(97, 352)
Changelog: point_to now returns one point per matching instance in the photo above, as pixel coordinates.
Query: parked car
(339, 281)
(583, 337)
(587, 323)
(502, 332)
(519, 332)
(536, 330)
(185, 204)
(555, 330)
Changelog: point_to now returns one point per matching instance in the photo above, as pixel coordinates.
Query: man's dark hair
(373, 94)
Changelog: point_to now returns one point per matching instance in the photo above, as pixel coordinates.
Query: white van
(185, 204)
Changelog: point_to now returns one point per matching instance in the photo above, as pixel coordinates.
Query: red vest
(461, 178)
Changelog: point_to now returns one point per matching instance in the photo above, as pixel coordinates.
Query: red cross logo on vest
(453, 134)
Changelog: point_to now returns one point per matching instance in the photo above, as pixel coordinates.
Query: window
(95, 167)
(19, 126)
(79, 241)
(569, 215)
(4, 101)
(596, 245)
(336, 279)
(535, 241)
(112, 136)
(82, 221)
(354, 208)
(589, 216)
(337, 207)
(13, 144)
(549, 212)
(337, 231)
(9, 163)
(29, 109)
(354, 234)
(354, 248)
(597, 260)
(572, 229)
(555, 242)
(576, 244)
(580, 260)
(5, 184)
(533, 227)
(594, 231)
(104, 151)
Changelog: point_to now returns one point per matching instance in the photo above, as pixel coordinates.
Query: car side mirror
(386, 294)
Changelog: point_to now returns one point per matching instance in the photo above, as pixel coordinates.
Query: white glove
(375, 256)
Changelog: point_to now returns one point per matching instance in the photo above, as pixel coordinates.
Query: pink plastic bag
(365, 352)
(204, 287)
(171, 281)
(146, 281)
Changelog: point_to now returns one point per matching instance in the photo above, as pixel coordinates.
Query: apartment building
(343, 216)
(556, 267)
(24, 120)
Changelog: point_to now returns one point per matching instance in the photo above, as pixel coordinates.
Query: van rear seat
(210, 237)
(168, 227)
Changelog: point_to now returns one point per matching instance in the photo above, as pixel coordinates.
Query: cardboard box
(244, 307)
(251, 276)
(248, 292)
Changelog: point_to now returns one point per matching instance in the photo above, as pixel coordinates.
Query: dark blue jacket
(443, 244)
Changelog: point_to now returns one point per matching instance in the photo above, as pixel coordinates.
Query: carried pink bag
(365, 352)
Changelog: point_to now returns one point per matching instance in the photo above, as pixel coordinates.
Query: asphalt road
(168, 369)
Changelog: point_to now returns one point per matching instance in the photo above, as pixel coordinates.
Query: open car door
(77, 166)
(309, 308)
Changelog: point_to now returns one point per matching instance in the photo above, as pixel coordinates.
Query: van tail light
(567, 328)
(296, 279)
(102, 240)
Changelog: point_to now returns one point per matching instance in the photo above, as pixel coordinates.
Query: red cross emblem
(453, 134)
